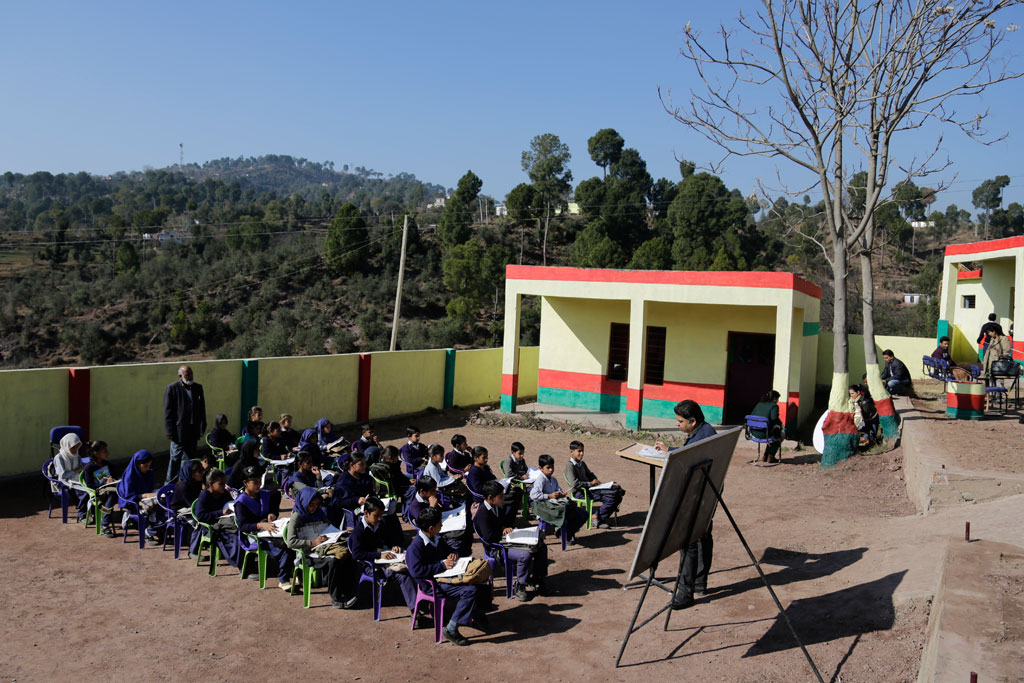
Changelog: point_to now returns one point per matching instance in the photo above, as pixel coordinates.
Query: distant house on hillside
(913, 298)
(438, 203)
(500, 210)
(571, 208)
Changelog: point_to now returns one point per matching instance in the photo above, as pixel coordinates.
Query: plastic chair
(93, 505)
(501, 551)
(206, 539)
(132, 510)
(175, 523)
(756, 422)
(218, 453)
(376, 576)
(562, 533)
(586, 503)
(58, 433)
(302, 566)
(435, 598)
(250, 545)
(60, 494)
(521, 486)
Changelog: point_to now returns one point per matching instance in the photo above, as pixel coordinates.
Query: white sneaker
(287, 586)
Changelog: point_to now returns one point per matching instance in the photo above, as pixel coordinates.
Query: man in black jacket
(895, 374)
(184, 419)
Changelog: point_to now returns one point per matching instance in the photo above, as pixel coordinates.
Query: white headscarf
(66, 462)
(67, 442)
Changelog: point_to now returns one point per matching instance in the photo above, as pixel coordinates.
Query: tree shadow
(580, 582)
(803, 459)
(532, 620)
(797, 566)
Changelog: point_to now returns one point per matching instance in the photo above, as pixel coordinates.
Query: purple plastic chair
(175, 522)
(435, 598)
(132, 511)
(60, 494)
(377, 578)
(563, 533)
(753, 423)
(501, 551)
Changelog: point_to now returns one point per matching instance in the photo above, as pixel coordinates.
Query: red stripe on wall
(580, 381)
(981, 247)
(968, 274)
(78, 398)
(666, 277)
(363, 400)
(790, 410)
(634, 398)
(510, 385)
(704, 394)
(1018, 350)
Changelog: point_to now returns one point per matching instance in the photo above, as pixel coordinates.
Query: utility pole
(401, 274)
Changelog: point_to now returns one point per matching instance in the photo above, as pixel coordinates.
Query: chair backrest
(477, 497)
(193, 511)
(486, 545)
(217, 452)
(163, 498)
(50, 475)
(81, 480)
(58, 433)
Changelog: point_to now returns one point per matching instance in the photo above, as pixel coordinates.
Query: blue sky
(433, 89)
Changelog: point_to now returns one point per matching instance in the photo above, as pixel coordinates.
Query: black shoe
(109, 532)
(681, 603)
(454, 638)
(520, 594)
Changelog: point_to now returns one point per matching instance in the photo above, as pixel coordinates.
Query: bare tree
(829, 86)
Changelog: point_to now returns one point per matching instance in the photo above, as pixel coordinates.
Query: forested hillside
(277, 256)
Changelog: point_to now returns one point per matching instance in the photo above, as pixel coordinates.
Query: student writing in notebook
(429, 554)
(351, 488)
(372, 539)
(579, 478)
(305, 531)
(138, 486)
(493, 520)
(252, 519)
(96, 476)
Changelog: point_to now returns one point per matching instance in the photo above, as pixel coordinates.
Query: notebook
(529, 536)
(460, 568)
(454, 520)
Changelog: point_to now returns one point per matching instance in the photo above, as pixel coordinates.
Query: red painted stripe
(634, 398)
(78, 398)
(965, 401)
(768, 280)
(510, 385)
(579, 381)
(981, 247)
(839, 423)
(885, 407)
(789, 410)
(704, 394)
(968, 274)
(363, 400)
(1018, 350)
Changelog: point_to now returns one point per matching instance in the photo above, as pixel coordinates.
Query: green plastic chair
(206, 540)
(585, 502)
(94, 504)
(261, 557)
(218, 453)
(302, 566)
(522, 487)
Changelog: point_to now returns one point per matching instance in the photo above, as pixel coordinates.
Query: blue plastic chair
(61, 494)
(752, 422)
(377, 578)
(132, 511)
(563, 533)
(499, 551)
(58, 433)
(175, 523)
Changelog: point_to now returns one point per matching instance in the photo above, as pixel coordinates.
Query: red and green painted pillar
(888, 421)
(634, 407)
(965, 400)
(840, 432)
(510, 352)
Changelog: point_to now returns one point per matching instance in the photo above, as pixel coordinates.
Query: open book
(280, 463)
(651, 452)
(505, 482)
(333, 536)
(279, 525)
(532, 474)
(390, 506)
(340, 442)
(460, 568)
(606, 486)
(529, 536)
(454, 520)
(399, 557)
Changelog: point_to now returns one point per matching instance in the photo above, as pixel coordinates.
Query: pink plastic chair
(432, 597)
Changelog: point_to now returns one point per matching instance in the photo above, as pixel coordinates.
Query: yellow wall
(31, 403)
(477, 376)
(907, 349)
(405, 382)
(127, 401)
(529, 357)
(309, 388)
(574, 333)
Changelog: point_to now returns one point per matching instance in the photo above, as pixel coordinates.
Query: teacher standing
(184, 419)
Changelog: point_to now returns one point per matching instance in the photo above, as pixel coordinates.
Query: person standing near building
(983, 336)
(694, 561)
(184, 419)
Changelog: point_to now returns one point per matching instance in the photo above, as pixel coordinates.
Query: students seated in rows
(138, 486)
(515, 464)
(426, 497)
(219, 436)
(305, 474)
(215, 507)
(68, 465)
(252, 519)
(460, 457)
(248, 459)
(304, 532)
(272, 447)
(351, 489)
(255, 428)
(551, 503)
(389, 471)
(96, 476)
(450, 487)
(289, 437)
(366, 439)
(414, 454)
(579, 477)
(373, 539)
(493, 520)
(480, 473)
(429, 554)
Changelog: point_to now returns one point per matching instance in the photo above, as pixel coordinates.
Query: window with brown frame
(654, 372)
(618, 352)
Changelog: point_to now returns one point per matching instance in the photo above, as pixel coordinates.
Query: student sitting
(68, 465)
(866, 416)
(186, 492)
(480, 473)
(255, 428)
(459, 458)
(137, 485)
(515, 464)
(214, 507)
(219, 436)
(304, 532)
(271, 446)
(351, 488)
(250, 519)
(414, 454)
(96, 476)
(373, 539)
(325, 435)
(579, 477)
(305, 474)
(428, 555)
(308, 442)
(248, 459)
(426, 496)
(389, 470)
(551, 503)
(452, 488)
(493, 520)
(367, 439)
(768, 408)
(372, 454)
(289, 437)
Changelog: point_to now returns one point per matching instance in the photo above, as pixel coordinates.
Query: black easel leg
(636, 614)
(757, 565)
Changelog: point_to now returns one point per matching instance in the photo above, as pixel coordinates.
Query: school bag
(477, 572)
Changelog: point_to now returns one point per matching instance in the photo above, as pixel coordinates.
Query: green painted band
(250, 389)
(965, 413)
(508, 403)
(606, 403)
(633, 419)
(838, 448)
(656, 407)
(811, 329)
(449, 378)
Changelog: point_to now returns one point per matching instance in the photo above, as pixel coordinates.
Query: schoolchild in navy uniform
(96, 475)
(219, 436)
(373, 539)
(480, 473)
(186, 492)
(251, 519)
(367, 438)
(351, 489)
(414, 453)
(213, 506)
(247, 457)
(289, 437)
(460, 457)
(493, 520)
(255, 428)
(429, 554)
(389, 470)
(137, 485)
(579, 477)
(304, 532)
(308, 441)
(305, 474)
(272, 447)
(454, 490)
(426, 497)
(325, 435)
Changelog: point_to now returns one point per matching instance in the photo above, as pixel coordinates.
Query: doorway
(749, 373)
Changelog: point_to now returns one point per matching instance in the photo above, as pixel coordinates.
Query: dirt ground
(994, 441)
(82, 607)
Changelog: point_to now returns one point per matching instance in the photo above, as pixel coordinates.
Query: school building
(978, 279)
(638, 342)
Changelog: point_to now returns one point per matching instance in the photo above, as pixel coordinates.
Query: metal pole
(398, 293)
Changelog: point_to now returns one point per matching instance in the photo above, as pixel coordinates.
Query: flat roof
(705, 278)
(984, 246)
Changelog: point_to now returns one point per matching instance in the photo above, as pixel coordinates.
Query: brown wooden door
(749, 373)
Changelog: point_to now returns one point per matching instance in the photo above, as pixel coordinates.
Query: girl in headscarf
(68, 465)
(220, 437)
(186, 492)
(252, 519)
(305, 531)
(137, 486)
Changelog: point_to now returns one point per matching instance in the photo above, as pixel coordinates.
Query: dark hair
(372, 503)
(478, 451)
(95, 447)
(575, 445)
(689, 410)
(215, 475)
(857, 387)
(518, 447)
(457, 439)
(390, 452)
(428, 517)
(771, 397)
(208, 459)
(367, 427)
(193, 467)
(410, 430)
(888, 352)
(942, 339)
(285, 416)
(221, 417)
(273, 425)
(254, 409)
(251, 473)
(491, 488)
(436, 449)
(302, 457)
(992, 317)
(355, 457)
(544, 460)
(426, 483)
